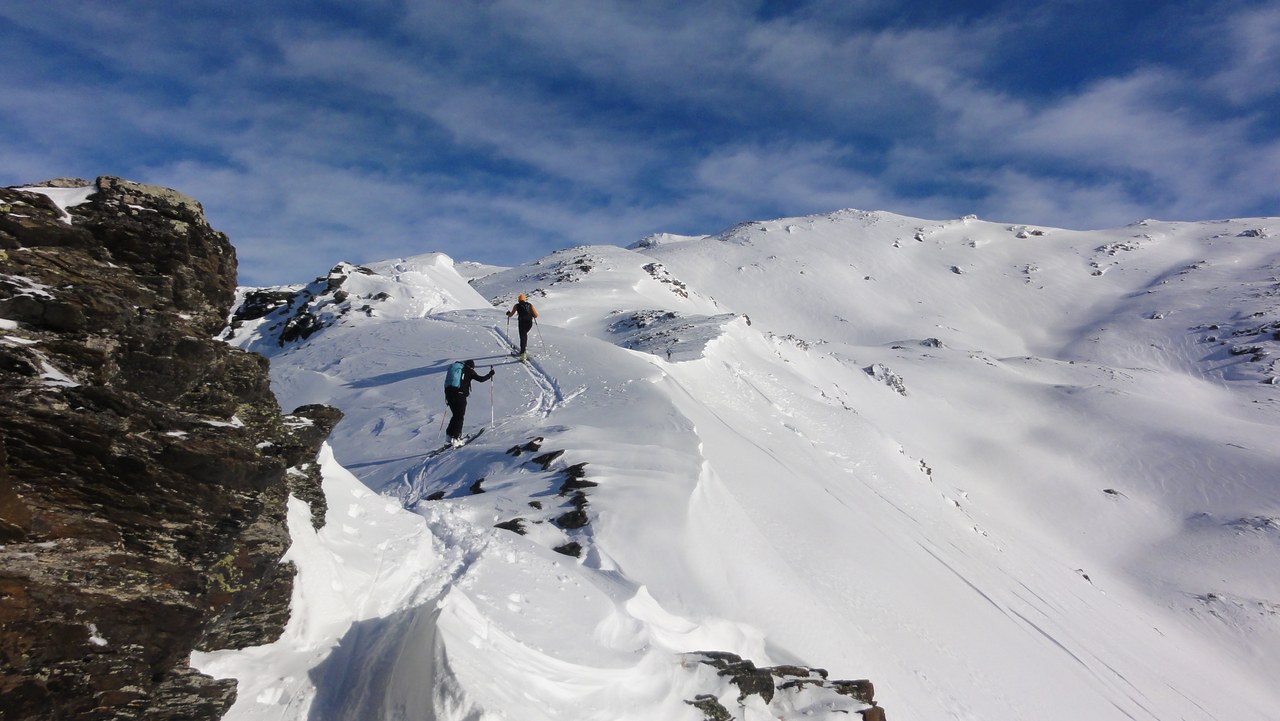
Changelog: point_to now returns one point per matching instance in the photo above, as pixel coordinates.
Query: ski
(448, 446)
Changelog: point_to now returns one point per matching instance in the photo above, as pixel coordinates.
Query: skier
(526, 312)
(457, 386)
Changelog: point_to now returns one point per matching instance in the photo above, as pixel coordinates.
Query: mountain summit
(1004, 472)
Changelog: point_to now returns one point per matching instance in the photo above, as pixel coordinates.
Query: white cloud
(499, 128)
(1251, 39)
(1130, 146)
(722, 61)
(1134, 126)
(807, 177)
(1015, 197)
(512, 122)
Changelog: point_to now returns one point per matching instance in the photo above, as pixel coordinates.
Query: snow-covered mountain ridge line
(956, 248)
(1005, 471)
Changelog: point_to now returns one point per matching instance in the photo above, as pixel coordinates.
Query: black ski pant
(525, 325)
(458, 408)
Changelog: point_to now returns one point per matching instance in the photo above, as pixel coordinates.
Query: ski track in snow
(550, 396)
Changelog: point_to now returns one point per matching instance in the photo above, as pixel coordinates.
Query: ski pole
(539, 329)
(491, 384)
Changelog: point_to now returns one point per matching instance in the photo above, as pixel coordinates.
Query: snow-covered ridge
(1003, 471)
(266, 320)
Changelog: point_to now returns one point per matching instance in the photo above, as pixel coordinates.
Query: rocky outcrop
(667, 334)
(808, 688)
(285, 316)
(144, 465)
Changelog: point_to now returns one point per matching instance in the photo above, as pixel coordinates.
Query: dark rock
(515, 524)
(303, 431)
(799, 683)
(711, 708)
(572, 548)
(436, 496)
(532, 446)
(261, 303)
(300, 327)
(24, 216)
(142, 487)
(753, 681)
(572, 485)
(750, 680)
(720, 659)
(573, 519)
(875, 713)
(862, 689)
(743, 673)
(475, 487)
(760, 681)
(662, 275)
(61, 183)
(546, 459)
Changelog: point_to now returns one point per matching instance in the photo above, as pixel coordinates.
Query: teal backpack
(453, 378)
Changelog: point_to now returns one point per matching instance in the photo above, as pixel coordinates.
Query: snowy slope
(1003, 472)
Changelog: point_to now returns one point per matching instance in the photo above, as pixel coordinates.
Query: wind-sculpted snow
(517, 612)
(739, 468)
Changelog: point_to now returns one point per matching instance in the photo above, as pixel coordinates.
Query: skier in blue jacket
(456, 397)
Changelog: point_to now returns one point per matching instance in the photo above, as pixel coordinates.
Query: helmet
(521, 297)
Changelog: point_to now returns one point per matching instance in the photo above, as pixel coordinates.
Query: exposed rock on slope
(144, 466)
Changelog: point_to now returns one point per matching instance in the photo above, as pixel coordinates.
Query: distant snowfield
(1004, 472)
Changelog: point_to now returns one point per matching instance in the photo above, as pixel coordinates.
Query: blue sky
(499, 130)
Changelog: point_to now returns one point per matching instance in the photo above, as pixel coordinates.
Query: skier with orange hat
(525, 313)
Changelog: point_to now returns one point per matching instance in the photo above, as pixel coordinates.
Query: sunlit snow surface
(1006, 473)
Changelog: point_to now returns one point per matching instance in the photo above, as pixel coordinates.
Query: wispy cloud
(499, 131)
(1251, 40)
(510, 121)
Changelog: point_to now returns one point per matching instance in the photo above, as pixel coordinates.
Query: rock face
(808, 688)
(144, 465)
